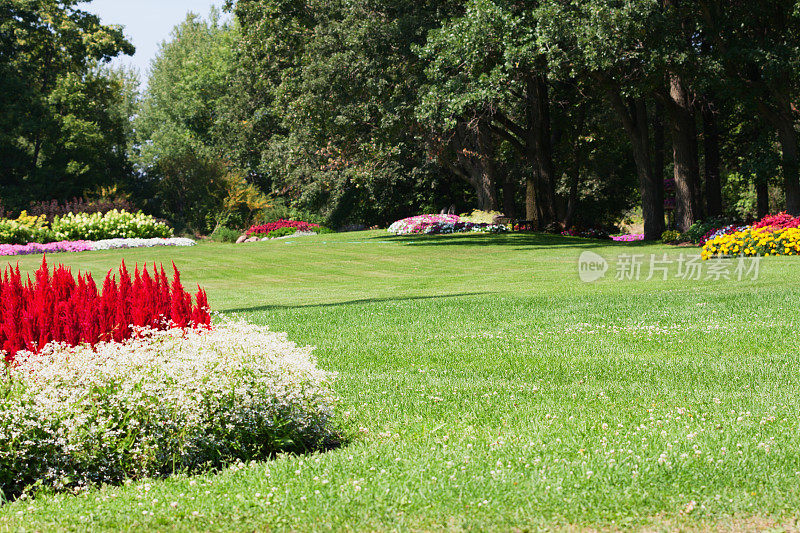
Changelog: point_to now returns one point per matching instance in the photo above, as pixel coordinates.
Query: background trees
(564, 112)
(63, 116)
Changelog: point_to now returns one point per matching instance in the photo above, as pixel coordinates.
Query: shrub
(282, 232)
(53, 208)
(266, 229)
(225, 234)
(25, 229)
(112, 225)
(670, 236)
(700, 228)
(160, 403)
(54, 307)
(481, 217)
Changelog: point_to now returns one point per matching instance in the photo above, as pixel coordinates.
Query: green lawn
(490, 389)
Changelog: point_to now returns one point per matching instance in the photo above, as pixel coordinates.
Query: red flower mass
(56, 307)
(280, 224)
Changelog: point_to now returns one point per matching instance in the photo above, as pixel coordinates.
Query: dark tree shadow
(516, 239)
(351, 302)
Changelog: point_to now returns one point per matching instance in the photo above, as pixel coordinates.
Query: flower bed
(440, 224)
(160, 403)
(112, 225)
(752, 242)
(57, 308)
(266, 229)
(81, 227)
(718, 232)
(772, 235)
(90, 246)
(628, 238)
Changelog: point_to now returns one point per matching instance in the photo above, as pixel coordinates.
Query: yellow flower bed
(752, 242)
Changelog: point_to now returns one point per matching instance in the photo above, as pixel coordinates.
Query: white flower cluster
(114, 224)
(110, 244)
(165, 402)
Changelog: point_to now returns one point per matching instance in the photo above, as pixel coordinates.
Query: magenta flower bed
(265, 229)
(629, 238)
(51, 247)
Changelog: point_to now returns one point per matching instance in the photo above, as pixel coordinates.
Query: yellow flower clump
(752, 242)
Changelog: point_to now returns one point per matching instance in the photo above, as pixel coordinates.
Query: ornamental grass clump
(161, 402)
(55, 307)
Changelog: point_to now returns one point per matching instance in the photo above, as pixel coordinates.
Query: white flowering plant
(163, 402)
(112, 225)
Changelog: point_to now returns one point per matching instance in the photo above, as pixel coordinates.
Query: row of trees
(565, 112)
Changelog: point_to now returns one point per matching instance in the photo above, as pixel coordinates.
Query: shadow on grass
(516, 239)
(351, 302)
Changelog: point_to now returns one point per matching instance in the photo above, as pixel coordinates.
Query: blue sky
(147, 22)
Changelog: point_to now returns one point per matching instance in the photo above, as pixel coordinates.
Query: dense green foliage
(64, 116)
(486, 384)
(565, 112)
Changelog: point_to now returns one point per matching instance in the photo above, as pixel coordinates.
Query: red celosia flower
(58, 308)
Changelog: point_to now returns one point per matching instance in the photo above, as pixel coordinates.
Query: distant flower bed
(440, 224)
(163, 402)
(89, 246)
(629, 238)
(266, 229)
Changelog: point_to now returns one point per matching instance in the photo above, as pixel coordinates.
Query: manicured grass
(490, 389)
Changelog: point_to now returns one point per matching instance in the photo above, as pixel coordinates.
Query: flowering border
(90, 246)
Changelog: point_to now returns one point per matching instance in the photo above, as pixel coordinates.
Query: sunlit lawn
(488, 388)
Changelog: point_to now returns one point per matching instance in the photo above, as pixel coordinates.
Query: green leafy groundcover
(166, 402)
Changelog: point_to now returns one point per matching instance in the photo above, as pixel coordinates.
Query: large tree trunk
(684, 151)
(762, 197)
(509, 197)
(471, 157)
(651, 187)
(487, 196)
(711, 160)
(575, 170)
(658, 145)
(540, 149)
(530, 199)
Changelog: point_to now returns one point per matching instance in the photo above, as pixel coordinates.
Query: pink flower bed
(265, 229)
(51, 247)
(629, 238)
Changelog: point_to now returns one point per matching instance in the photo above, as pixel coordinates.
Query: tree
(60, 128)
(181, 138)
(612, 46)
(757, 44)
(337, 89)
